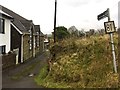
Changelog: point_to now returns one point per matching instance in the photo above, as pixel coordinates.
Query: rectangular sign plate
(109, 27)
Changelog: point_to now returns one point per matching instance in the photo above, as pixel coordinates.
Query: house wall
(16, 41)
(34, 46)
(27, 53)
(37, 48)
(5, 38)
(41, 43)
(37, 51)
(8, 60)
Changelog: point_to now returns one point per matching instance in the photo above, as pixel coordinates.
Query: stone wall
(27, 53)
(8, 60)
(41, 44)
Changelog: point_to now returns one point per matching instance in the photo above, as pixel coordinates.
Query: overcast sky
(80, 13)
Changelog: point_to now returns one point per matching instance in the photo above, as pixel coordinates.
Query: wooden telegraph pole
(109, 29)
(55, 26)
(55, 21)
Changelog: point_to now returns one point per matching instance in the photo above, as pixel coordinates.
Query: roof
(5, 14)
(11, 13)
(37, 29)
(23, 24)
(20, 26)
(41, 34)
(18, 20)
(27, 24)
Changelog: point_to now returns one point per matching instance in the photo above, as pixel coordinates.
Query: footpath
(22, 76)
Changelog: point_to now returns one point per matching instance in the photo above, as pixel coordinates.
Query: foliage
(61, 32)
(43, 73)
(82, 63)
(82, 33)
(73, 31)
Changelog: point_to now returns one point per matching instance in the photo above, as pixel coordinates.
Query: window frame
(2, 25)
(3, 49)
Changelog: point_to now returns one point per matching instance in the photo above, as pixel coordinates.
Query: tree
(81, 33)
(73, 31)
(91, 32)
(61, 32)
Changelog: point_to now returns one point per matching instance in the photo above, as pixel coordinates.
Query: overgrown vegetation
(81, 63)
(42, 74)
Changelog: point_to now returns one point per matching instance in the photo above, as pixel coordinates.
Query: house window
(2, 27)
(2, 49)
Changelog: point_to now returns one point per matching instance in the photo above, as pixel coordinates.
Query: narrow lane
(27, 78)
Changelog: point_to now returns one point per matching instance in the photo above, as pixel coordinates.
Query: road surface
(27, 81)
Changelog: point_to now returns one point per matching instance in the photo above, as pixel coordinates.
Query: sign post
(110, 29)
(113, 52)
(112, 43)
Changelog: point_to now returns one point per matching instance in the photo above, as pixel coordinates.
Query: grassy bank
(81, 63)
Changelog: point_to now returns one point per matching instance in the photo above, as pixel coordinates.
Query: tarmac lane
(27, 80)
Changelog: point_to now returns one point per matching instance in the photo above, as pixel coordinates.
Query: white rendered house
(5, 32)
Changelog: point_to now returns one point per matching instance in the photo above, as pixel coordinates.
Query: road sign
(109, 27)
(103, 15)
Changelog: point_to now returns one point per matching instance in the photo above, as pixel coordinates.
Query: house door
(16, 51)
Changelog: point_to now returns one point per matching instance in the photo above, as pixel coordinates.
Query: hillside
(81, 63)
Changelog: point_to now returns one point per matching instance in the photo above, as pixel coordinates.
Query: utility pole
(55, 21)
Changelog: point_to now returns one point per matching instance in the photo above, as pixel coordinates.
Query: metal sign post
(113, 52)
(109, 28)
(113, 47)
